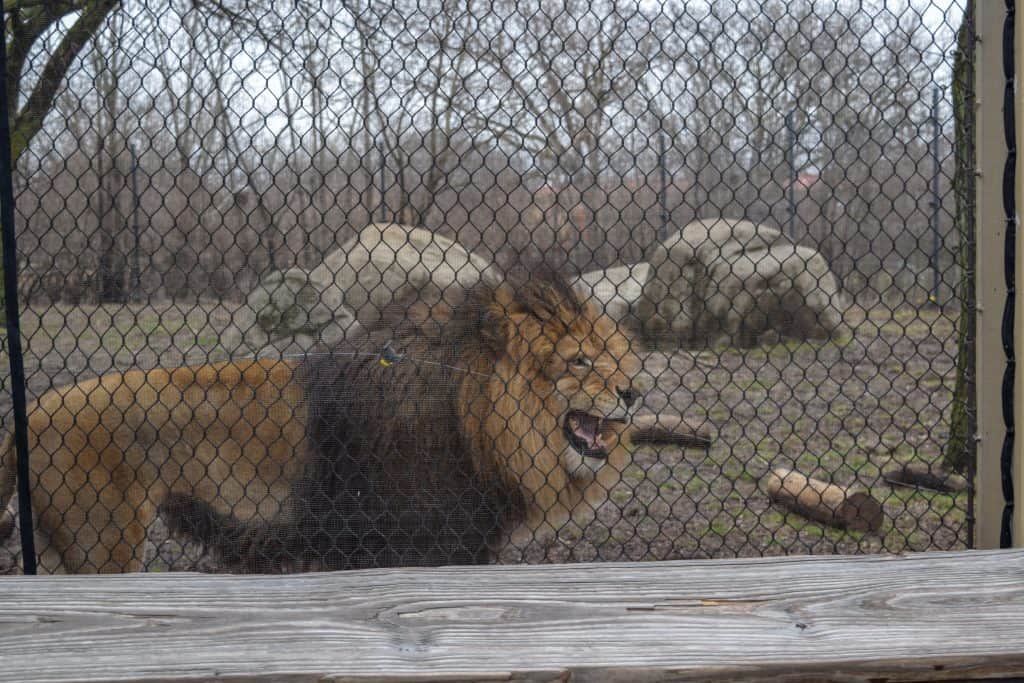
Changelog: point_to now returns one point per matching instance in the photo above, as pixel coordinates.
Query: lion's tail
(8, 479)
(250, 547)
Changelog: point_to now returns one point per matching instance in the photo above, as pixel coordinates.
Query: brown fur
(106, 451)
(433, 459)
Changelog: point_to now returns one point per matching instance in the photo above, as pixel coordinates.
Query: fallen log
(829, 504)
(924, 476)
(670, 430)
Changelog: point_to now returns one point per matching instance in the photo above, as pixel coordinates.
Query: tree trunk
(27, 121)
(960, 447)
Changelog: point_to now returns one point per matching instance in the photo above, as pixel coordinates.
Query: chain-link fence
(317, 284)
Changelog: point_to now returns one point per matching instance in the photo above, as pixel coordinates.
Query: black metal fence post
(383, 187)
(136, 281)
(791, 166)
(936, 200)
(10, 260)
(663, 193)
(1009, 266)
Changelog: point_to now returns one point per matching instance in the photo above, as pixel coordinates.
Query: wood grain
(941, 616)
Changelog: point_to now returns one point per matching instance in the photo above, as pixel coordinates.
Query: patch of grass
(722, 527)
(837, 535)
(843, 339)
(158, 326)
(857, 460)
(894, 494)
(207, 341)
(757, 356)
(806, 463)
(733, 468)
(895, 366)
(813, 530)
(803, 525)
(720, 413)
(944, 503)
(772, 518)
(621, 496)
(858, 466)
(696, 488)
(747, 476)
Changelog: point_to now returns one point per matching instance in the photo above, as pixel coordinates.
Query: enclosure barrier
(255, 343)
(926, 617)
(1010, 332)
(935, 616)
(1000, 322)
(1017, 466)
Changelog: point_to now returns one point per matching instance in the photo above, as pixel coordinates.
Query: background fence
(195, 180)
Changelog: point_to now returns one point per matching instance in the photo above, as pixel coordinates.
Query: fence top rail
(929, 616)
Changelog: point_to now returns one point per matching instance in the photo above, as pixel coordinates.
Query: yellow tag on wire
(388, 357)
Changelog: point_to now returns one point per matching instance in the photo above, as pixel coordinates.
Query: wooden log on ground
(823, 502)
(922, 617)
(922, 475)
(671, 430)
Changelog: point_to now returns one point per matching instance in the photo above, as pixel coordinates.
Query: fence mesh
(323, 284)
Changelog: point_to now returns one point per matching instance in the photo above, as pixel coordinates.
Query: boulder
(616, 290)
(386, 262)
(735, 279)
(293, 310)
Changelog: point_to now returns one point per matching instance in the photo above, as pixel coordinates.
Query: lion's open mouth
(586, 433)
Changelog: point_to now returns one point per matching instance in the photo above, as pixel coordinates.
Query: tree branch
(27, 122)
(25, 24)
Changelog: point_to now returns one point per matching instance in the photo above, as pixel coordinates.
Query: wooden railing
(941, 616)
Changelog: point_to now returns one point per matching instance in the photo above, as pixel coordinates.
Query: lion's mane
(409, 429)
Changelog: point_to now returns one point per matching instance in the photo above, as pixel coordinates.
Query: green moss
(721, 527)
(620, 496)
(813, 530)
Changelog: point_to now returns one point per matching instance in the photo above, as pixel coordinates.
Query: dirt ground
(842, 411)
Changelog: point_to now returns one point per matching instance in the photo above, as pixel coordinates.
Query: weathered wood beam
(939, 616)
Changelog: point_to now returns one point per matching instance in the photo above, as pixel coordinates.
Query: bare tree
(556, 73)
(109, 61)
(27, 21)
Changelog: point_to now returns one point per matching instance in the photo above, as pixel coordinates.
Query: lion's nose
(628, 396)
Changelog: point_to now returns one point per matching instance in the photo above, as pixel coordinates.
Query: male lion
(505, 420)
(502, 417)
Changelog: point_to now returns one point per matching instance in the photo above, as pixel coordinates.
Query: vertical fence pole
(663, 193)
(383, 188)
(1009, 327)
(136, 283)
(791, 165)
(936, 201)
(1017, 471)
(990, 290)
(10, 260)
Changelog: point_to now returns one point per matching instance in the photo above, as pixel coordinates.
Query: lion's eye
(582, 362)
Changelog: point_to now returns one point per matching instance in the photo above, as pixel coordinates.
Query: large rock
(735, 279)
(291, 311)
(616, 290)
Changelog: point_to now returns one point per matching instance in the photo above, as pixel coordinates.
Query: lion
(498, 416)
(429, 446)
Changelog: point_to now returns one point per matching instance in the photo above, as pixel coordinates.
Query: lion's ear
(495, 319)
(515, 316)
(508, 323)
(541, 299)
